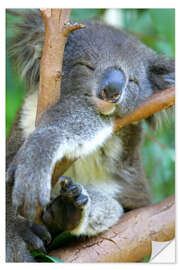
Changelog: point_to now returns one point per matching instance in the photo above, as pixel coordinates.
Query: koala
(107, 177)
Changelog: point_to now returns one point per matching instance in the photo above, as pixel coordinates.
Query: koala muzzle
(111, 85)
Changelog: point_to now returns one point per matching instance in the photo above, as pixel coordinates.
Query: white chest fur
(96, 169)
(96, 166)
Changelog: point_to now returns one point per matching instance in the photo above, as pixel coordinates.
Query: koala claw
(73, 191)
(68, 188)
(42, 232)
(35, 235)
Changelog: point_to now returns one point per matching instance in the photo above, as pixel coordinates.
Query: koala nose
(111, 85)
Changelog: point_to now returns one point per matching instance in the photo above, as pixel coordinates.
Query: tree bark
(57, 29)
(153, 104)
(128, 241)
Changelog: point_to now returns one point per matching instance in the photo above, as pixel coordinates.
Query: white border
(89, 4)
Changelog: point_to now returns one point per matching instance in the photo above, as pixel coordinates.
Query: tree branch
(57, 29)
(128, 241)
(153, 104)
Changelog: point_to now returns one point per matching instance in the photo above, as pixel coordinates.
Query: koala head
(113, 66)
(99, 61)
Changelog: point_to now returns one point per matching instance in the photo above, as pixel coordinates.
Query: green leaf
(146, 258)
(41, 257)
(62, 238)
(59, 240)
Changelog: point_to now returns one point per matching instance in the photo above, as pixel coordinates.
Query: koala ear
(161, 76)
(161, 73)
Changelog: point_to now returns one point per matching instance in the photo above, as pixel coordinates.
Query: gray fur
(73, 127)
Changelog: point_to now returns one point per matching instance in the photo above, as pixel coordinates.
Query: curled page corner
(163, 252)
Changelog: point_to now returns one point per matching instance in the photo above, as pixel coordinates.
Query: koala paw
(65, 212)
(31, 183)
(72, 192)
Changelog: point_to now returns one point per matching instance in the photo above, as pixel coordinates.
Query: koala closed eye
(89, 66)
(133, 80)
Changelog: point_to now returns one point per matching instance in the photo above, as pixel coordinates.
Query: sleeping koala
(100, 62)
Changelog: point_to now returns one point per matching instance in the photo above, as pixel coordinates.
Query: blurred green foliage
(156, 28)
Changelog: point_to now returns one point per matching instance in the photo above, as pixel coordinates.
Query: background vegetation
(156, 28)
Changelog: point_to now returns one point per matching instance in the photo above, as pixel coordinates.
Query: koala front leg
(31, 169)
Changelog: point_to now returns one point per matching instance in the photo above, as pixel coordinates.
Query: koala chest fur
(93, 170)
(96, 169)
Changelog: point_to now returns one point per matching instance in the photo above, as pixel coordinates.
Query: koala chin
(101, 65)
